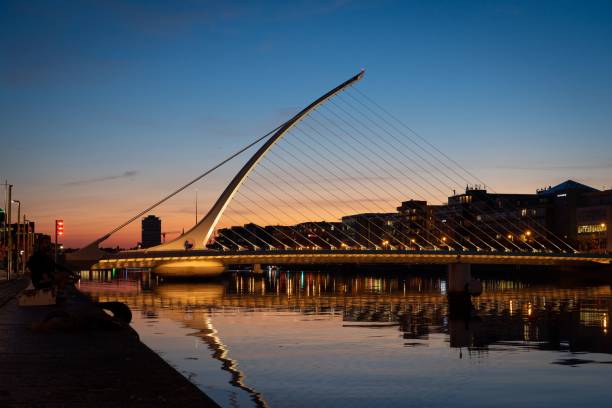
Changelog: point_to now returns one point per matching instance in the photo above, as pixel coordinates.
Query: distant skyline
(106, 106)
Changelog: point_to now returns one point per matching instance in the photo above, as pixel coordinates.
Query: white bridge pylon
(198, 236)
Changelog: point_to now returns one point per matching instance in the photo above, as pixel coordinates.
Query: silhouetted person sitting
(45, 273)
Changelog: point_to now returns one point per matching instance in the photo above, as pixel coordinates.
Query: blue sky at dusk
(105, 106)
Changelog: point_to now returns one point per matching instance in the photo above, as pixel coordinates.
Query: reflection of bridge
(412, 309)
(366, 167)
(535, 316)
(176, 296)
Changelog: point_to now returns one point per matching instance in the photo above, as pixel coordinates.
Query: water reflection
(508, 315)
(221, 353)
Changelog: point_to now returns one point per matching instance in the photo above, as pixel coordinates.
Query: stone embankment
(71, 356)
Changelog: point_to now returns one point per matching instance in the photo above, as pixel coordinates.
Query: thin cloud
(126, 174)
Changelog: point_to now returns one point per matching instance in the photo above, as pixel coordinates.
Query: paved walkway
(89, 364)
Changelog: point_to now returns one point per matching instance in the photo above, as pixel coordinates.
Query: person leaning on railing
(45, 272)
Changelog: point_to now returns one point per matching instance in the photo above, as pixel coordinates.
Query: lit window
(587, 229)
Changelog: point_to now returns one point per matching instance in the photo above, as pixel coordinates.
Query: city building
(322, 234)
(151, 231)
(480, 220)
(284, 235)
(569, 212)
(23, 242)
(416, 224)
(593, 219)
(549, 219)
(371, 230)
(563, 201)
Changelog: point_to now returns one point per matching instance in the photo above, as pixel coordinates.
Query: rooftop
(566, 186)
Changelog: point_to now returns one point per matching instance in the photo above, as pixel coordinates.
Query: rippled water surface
(297, 338)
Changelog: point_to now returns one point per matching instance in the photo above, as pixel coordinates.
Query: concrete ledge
(90, 366)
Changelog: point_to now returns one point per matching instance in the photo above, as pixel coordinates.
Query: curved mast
(199, 235)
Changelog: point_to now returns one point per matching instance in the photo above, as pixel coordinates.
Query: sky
(106, 106)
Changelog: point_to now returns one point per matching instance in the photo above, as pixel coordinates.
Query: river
(379, 338)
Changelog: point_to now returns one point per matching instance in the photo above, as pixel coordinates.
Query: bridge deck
(286, 257)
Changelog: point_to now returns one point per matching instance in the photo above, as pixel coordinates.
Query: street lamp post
(18, 257)
(26, 244)
(9, 238)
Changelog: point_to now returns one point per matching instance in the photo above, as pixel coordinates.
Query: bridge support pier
(257, 268)
(459, 277)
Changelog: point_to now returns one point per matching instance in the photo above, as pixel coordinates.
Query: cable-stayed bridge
(324, 187)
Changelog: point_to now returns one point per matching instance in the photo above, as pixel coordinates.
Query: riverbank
(93, 365)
